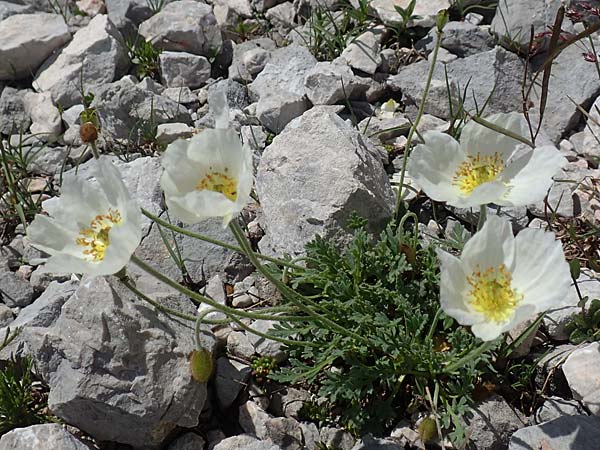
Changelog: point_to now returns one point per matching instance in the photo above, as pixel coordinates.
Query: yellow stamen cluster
(477, 170)
(95, 239)
(219, 182)
(492, 293)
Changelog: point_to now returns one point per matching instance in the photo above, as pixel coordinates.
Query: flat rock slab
(582, 371)
(48, 436)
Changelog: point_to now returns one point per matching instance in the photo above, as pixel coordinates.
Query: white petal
(220, 149)
(483, 194)
(433, 165)
(184, 173)
(200, 205)
(453, 290)
(491, 246)
(48, 234)
(476, 138)
(530, 176)
(487, 331)
(111, 182)
(220, 108)
(541, 271)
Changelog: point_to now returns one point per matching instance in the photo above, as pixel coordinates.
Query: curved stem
(201, 299)
(413, 129)
(210, 240)
(482, 217)
(301, 302)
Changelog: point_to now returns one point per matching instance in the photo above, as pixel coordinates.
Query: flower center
(95, 239)
(219, 182)
(492, 294)
(477, 170)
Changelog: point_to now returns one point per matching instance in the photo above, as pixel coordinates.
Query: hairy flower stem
(469, 357)
(201, 299)
(95, 151)
(482, 217)
(413, 129)
(210, 240)
(301, 302)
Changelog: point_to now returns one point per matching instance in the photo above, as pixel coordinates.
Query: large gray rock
(313, 176)
(13, 117)
(45, 116)
(181, 69)
(582, 371)
(47, 436)
(363, 53)
(27, 40)
(427, 10)
(184, 26)
(574, 84)
(496, 73)
(124, 109)
(461, 38)
(555, 407)
(590, 147)
(96, 56)
(246, 442)
(279, 88)
(492, 423)
(230, 378)
(514, 18)
(564, 433)
(116, 368)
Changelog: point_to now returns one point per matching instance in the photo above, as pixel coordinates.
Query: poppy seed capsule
(88, 132)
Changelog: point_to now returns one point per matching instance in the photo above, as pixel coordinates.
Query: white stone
(169, 132)
(48, 436)
(45, 117)
(181, 69)
(363, 53)
(426, 9)
(328, 83)
(27, 40)
(94, 57)
(582, 371)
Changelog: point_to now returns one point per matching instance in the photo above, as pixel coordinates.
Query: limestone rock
(47, 436)
(14, 291)
(238, 70)
(426, 9)
(582, 371)
(21, 53)
(184, 26)
(128, 14)
(363, 53)
(181, 69)
(8, 9)
(13, 117)
(313, 176)
(555, 407)
(230, 378)
(45, 117)
(131, 382)
(328, 83)
(246, 442)
(567, 432)
(96, 56)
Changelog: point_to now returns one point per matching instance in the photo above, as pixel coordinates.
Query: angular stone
(492, 423)
(182, 95)
(363, 52)
(336, 437)
(302, 196)
(253, 419)
(461, 38)
(567, 432)
(123, 108)
(188, 441)
(514, 18)
(40, 280)
(590, 147)
(45, 117)
(497, 73)
(6, 315)
(282, 16)
(555, 407)
(264, 346)
(128, 14)
(169, 132)
(284, 432)
(47, 436)
(96, 56)
(21, 53)
(184, 26)
(239, 345)
(238, 70)
(582, 371)
(328, 83)
(14, 291)
(8, 9)
(279, 88)
(131, 382)
(371, 443)
(230, 378)
(13, 117)
(181, 69)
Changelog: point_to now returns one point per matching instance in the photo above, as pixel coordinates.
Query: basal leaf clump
(386, 291)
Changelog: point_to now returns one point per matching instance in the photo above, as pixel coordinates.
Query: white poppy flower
(500, 281)
(485, 167)
(209, 175)
(91, 229)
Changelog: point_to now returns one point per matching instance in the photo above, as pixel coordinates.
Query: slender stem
(129, 285)
(416, 123)
(301, 302)
(201, 299)
(469, 356)
(94, 150)
(434, 322)
(288, 342)
(210, 240)
(482, 217)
